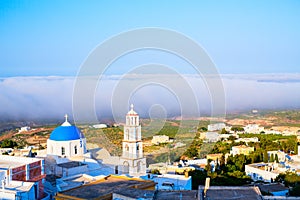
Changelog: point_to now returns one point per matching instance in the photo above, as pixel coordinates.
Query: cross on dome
(131, 112)
(66, 123)
(66, 117)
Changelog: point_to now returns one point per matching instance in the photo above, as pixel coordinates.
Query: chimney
(207, 182)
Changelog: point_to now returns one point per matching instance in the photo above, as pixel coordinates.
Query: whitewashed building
(216, 127)
(241, 149)
(210, 136)
(24, 129)
(253, 128)
(133, 161)
(263, 171)
(158, 139)
(99, 126)
(66, 141)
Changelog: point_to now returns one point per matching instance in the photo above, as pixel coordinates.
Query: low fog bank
(48, 98)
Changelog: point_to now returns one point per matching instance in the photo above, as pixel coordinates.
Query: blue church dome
(66, 132)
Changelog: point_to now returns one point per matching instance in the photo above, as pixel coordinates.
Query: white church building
(66, 141)
(133, 161)
(68, 144)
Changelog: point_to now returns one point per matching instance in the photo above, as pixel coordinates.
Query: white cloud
(51, 97)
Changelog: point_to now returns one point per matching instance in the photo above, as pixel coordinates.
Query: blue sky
(41, 38)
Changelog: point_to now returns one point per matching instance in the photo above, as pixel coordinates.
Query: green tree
(296, 148)
(198, 178)
(235, 129)
(272, 158)
(8, 144)
(223, 131)
(222, 162)
(289, 179)
(208, 166)
(265, 156)
(191, 152)
(231, 138)
(202, 129)
(295, 191)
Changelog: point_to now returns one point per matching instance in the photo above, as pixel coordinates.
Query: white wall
(256, 173)
(54, 147)
(179, 181)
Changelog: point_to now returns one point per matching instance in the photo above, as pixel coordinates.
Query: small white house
(100, 126)
(210, 136)
(216, 127)
(172, 182)
(253, 128)
(261, 172)
(157, 139)
(24, 129)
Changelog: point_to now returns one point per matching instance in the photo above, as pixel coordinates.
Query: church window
(138, 147)
(139, 166)
(75, 149)
(125, 167)
(127, 135)
(63, 151)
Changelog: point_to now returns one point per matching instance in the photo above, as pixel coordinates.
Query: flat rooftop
(7, 162)
(18, 186)
(275, 187)
(106, 186)
(159, 195)
(71, 164)
(177, 195)
(231, 192)
(136, 193)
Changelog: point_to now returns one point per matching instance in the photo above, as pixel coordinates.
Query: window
(137, 133)
(138, 147)
(125, 167)
(75, 149)
(127, 135)
(127, 147)
(63, 151)
(139, 166)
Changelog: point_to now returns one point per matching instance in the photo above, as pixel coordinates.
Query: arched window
(137, 133)
(75, 149)
(127, 135)
(138, 147)
(127, 147)
(139, 166)
(125, 167)
(63, 151)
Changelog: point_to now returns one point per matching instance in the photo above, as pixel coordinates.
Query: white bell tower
(132, 159)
